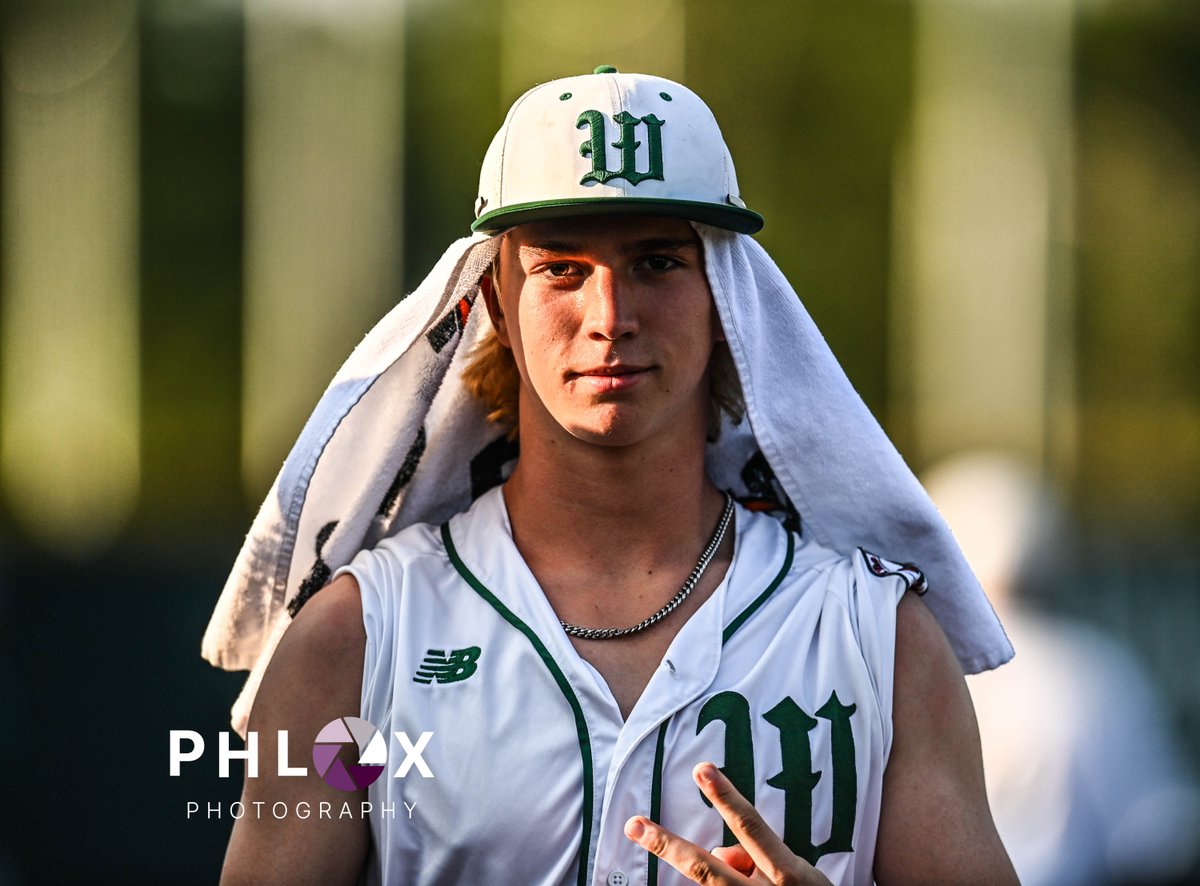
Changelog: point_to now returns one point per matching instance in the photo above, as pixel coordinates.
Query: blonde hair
(491, 376)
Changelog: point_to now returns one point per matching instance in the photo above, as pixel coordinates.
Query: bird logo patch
(914, 578)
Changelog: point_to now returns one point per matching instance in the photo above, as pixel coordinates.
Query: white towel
(396, 440)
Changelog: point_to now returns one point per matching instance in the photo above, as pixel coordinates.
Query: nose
(610, 309)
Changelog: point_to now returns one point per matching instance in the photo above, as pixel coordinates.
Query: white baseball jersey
(783, 677)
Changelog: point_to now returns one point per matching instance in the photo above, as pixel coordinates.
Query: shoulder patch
(914, 578)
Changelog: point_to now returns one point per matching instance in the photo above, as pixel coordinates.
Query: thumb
(736, 857)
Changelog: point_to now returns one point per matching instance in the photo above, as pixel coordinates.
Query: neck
(606, 506)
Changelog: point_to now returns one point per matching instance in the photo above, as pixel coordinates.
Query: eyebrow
(651, 244)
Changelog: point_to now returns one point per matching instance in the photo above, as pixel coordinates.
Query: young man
(589, 640)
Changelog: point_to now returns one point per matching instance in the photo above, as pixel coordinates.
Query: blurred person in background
(1086, 782)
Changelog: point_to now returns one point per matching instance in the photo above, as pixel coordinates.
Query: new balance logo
(440, 667)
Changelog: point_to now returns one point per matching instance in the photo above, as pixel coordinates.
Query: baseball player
(649, 654)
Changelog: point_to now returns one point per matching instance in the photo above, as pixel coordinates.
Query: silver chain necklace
(688, 586)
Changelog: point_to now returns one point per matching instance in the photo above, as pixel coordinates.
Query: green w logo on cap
(440, 667)
(595, 147)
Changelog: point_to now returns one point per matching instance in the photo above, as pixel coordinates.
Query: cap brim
(731, 218)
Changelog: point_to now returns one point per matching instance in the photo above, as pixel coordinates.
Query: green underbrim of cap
(720, 215)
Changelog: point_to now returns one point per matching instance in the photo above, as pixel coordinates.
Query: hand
(759, 857)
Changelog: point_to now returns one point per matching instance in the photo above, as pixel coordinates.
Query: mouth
(616, 377)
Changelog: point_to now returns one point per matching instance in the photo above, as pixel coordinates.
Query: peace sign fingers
(683, 855)
(754, 835)
(761, 854)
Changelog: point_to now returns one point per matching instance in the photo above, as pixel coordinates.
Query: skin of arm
(315, 676)
(935, 826)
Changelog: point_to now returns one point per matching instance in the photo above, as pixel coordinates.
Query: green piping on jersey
(585, 741)
(656, 800)
(659, 747)
(745, 614)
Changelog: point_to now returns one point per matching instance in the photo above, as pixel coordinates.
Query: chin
(608, 435)
(610, 429)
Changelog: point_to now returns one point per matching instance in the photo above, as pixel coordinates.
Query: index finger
(758, 839)
(683, 855)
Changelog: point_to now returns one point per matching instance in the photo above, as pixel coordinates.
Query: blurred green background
(992, 210)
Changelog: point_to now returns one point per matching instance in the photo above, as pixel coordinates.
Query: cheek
(537, 340)
(692, 328)
(718, 333)
(546, 327)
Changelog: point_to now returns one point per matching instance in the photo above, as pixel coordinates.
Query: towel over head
(396, 439)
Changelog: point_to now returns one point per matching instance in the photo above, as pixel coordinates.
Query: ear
(491, 298)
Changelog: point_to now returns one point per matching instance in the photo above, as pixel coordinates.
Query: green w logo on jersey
(440, 667)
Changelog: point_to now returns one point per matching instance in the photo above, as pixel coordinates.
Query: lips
(617, 377)
(616, 369)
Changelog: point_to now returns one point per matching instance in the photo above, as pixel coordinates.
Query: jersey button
(617, 878)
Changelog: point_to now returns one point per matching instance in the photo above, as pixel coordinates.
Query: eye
(560, 269)
(660, 263)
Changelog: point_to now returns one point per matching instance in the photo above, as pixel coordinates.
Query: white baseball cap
(609, 143)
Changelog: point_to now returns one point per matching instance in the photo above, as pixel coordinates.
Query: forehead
(616, 232)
